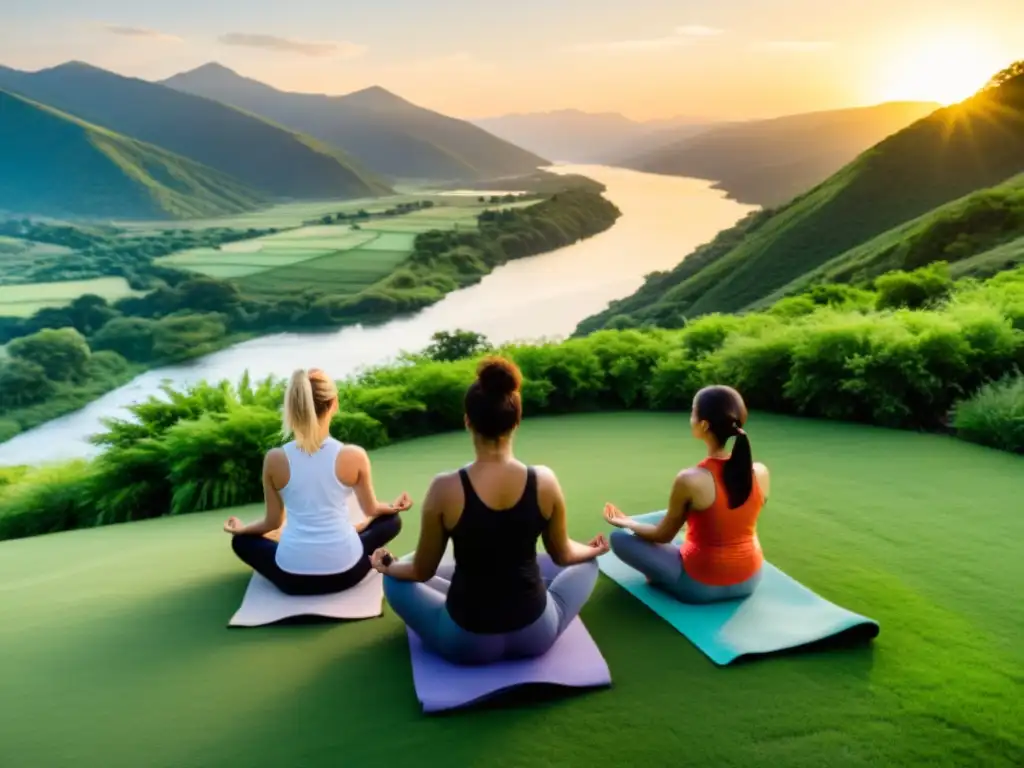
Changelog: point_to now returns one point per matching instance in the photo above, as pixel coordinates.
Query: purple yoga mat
(573, 662)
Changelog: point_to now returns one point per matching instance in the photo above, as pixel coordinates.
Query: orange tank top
(721, 546)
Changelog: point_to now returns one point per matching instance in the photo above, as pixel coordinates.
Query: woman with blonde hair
(314, 478)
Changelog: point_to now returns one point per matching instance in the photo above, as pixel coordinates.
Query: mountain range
(848, 225)
(112, 176)
(384, 132)
(767, 162)
(571, 135)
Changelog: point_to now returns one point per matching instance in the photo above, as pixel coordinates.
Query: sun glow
(946, 70)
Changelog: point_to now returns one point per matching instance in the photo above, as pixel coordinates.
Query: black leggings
(260, 553)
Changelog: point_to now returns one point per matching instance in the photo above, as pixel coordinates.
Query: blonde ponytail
(300, 417)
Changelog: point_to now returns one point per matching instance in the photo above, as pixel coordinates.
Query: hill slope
(944, 156)
(582, 137)
(386, 133)
(53, 164)
(258, 153)
(975, 234)
(767, 162)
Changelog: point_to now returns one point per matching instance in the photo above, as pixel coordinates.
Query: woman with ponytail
(313, 478)
(718, 501)
(499, 599)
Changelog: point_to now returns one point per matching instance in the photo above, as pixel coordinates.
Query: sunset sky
(471, 58)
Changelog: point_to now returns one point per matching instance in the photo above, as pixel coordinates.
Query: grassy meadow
(116, 649)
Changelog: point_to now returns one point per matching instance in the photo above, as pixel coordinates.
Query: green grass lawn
(27, 299)
(114, 650)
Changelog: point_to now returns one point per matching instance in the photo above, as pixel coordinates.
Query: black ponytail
(726, 413)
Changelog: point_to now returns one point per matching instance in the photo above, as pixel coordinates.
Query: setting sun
(946, 70)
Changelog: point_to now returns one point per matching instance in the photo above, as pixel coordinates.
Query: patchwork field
(25, 300)
(115, 649)
(334, 257)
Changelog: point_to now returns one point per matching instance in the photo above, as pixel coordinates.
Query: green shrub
(921, 288)
(994, 416)
(47, 500)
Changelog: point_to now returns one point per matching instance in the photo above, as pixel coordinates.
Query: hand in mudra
(233, 525)
(600, 543)
(402, 503)
(381, 559)
(615, 516)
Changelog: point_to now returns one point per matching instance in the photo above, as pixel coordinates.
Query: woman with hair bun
(499, 600)
(313, 478)
(718, 501)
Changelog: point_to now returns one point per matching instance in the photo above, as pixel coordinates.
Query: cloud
(344, 50)
(795, 46)
(149, 34)
(681, 37)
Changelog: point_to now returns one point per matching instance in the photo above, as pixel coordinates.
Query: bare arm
(429, 550)
(675, 517)
(563, 550)
(273, 517)
(764, 480)
(353, 469)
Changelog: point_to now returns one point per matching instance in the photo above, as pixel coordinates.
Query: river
(542, 297)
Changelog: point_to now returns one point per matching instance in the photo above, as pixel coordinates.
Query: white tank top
(318, 536)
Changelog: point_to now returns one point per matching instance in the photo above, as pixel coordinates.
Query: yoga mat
(266, 604)
(781, 614)
(574, 661)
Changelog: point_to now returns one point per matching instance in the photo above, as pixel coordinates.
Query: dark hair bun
(498, 376)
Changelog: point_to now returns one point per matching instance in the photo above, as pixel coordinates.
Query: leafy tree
(457, 345)
(62, 353)
(23, 382)
(1007, 75)
(89, 313)
(130, 337)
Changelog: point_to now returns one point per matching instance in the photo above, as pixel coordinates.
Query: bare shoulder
(763, 477)
(444, 486)
(692, 478)
(353, 453)
(548, 487)
(275, 459)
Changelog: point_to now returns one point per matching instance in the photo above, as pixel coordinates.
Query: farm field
(25, 300)
(115, 648)
(332, 257)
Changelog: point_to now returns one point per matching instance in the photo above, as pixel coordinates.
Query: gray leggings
(422, 607)
(662, 564)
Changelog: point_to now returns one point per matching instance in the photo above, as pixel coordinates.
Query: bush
(994, 416)
(914, 290)
(203, 447)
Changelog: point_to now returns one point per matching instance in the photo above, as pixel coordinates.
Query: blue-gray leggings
(422, 607)
(662, 564)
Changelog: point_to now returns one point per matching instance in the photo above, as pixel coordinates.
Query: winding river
(663, 219)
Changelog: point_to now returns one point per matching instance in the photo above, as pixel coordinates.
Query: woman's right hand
(381, 559)
(233, 525)
(615, 516)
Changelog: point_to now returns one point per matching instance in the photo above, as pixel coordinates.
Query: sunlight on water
(664, 218)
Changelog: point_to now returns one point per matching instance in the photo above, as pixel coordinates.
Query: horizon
(653, 61)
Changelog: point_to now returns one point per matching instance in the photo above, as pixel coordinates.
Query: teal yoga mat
(782, 614)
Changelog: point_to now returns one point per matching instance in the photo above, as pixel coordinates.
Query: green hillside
(768, 162)
(974, 234)
(385, 132)
(952, 152)
(53, 164)
(260, 154)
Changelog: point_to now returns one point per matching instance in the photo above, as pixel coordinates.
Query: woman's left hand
(233, 525)
(615, 516)
(402, 503)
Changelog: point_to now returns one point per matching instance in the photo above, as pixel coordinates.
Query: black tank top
(497, 585)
